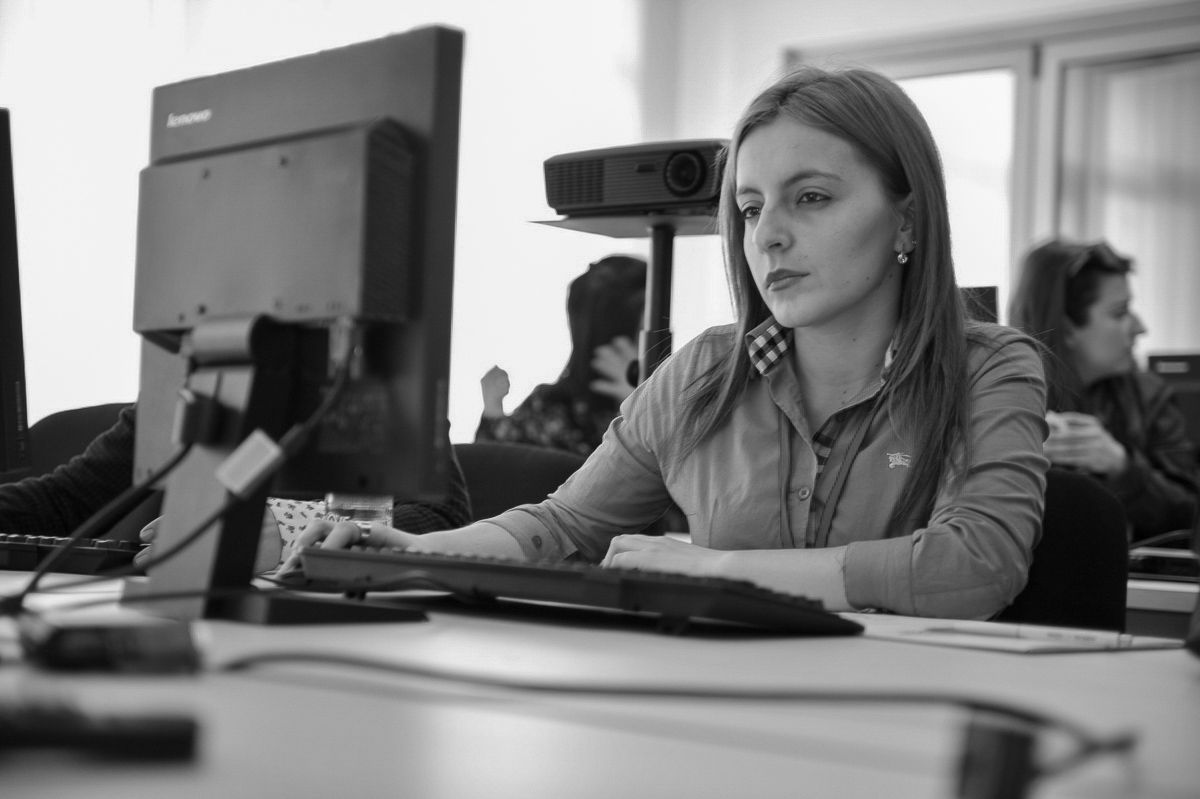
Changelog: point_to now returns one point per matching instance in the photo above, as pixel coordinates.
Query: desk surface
(310, 730)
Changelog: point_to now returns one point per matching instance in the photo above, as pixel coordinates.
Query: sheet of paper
(1000, 636)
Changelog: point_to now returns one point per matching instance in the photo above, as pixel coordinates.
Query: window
(1101, 145)
(971, 115)
(1127, 168)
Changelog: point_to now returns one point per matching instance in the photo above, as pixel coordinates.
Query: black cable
(417, 578)
(1089, 749)
(295, 438)
(98, 521)
(1172, 537)
(1089, 744)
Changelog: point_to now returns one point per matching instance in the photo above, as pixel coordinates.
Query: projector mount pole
(654, 343)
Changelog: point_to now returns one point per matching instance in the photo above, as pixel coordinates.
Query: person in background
(55, 504)
(1106, 417)
(604, 309)
(853, 437)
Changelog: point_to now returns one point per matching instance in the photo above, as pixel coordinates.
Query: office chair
(59, 437)
(55, 439)
(501, 476)
(1081, 564)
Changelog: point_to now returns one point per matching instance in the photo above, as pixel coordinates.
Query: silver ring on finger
(364, 532)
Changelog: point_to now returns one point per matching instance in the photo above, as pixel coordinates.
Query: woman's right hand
(1080, 441)
(343, 535)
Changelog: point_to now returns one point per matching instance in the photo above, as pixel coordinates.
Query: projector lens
(684, 173)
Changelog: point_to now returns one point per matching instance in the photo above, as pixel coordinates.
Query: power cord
(996, 762)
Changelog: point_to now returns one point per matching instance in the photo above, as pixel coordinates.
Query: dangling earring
(902, 258)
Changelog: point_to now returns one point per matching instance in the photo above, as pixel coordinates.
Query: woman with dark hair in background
(853, 437)
(604, 310)
(1106, 417)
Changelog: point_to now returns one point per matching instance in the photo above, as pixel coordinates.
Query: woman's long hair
(1059, 283)
(925, 394)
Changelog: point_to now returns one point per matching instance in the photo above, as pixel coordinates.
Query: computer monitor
(14, 421)
(292, 211)
(1181, 370)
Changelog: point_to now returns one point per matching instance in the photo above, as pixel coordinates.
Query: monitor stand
(654, 342)
(268, 607)
(246, 367)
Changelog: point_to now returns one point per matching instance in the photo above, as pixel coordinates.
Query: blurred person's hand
(270, 543)
(494, 385)
(1080, 441)
(612, 361)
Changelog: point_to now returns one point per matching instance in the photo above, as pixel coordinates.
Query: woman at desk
(853, 437)
(1106, 417)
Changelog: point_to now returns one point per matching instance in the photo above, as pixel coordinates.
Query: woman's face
(821, 233)
(1104, 346)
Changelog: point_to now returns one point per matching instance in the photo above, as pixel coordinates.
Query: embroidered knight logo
(899, 459)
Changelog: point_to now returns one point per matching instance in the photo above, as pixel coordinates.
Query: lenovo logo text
(190, 118)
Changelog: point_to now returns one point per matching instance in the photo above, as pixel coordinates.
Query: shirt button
(804, 493)
(537, 542)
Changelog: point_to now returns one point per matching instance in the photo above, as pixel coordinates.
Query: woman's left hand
(660, 553)
(1079, 440)
(328, 534)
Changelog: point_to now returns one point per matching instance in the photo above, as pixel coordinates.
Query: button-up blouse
(757, 479)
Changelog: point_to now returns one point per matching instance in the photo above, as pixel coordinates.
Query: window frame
(1060, 57)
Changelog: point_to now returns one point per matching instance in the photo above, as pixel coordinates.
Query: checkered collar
(767, 343)
(770, 341)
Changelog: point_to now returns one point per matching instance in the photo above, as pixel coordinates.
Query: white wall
(730, 49)
(541, 77)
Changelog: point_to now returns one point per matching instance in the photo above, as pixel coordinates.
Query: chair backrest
(501, 476)
(57, 438)
(1081, 564)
